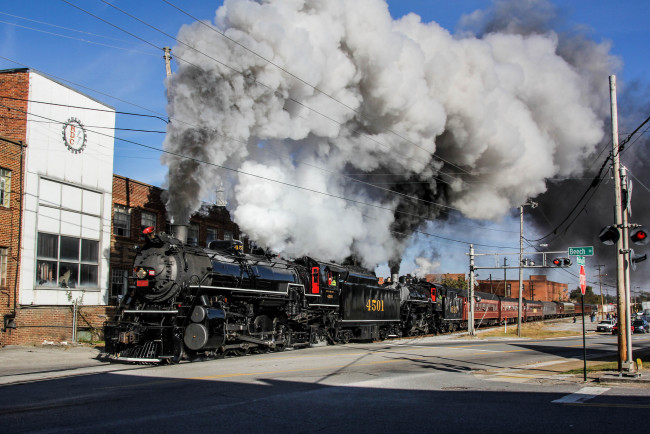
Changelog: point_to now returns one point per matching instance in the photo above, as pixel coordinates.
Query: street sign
(580, 260)
(583, 280)
(581, 251)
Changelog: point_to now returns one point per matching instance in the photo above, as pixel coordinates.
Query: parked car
(605, 325)
(640, 326)
(615, 329)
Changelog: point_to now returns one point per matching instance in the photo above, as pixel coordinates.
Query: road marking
(582, 395)
(594, 404)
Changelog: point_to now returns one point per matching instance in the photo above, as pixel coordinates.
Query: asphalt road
(430, 384)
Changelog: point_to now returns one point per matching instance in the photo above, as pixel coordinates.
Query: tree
(590, 297)
(459, 283)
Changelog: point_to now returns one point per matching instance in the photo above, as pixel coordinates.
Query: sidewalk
(557, 369)
(19, 364)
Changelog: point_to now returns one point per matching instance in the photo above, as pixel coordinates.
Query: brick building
(137, 206)
(67, 224)
(57, 201)
(534, 288)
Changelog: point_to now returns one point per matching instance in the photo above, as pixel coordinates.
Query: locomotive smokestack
(394, 269)
(180, 233)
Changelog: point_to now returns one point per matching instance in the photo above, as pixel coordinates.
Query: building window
(147, 219)
(4, 254)
(122, 221)
(119, 283)
(210, 235)
(193, 234)
(5, 187)
(67, 262)
(227, 235)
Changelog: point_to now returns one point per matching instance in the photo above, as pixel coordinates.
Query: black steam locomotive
(191, 302)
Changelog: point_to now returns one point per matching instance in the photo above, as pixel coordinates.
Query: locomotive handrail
(249, 261)
(228, 288)
(149, 311)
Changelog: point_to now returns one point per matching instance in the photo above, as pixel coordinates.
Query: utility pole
(470, 292)
(521, 260)
(600, 284)
(626, 260)
(505, 278)
(618, 219)
(168, 58)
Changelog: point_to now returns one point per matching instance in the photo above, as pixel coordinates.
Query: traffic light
(639, 235)
(562, 262)
(609, 235)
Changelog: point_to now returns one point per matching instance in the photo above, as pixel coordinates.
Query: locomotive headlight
(141, 273)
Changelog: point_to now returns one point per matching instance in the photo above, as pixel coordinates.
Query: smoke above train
(309, 111)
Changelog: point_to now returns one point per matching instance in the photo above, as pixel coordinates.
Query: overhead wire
(78, 39)
(401, 136)
(233, 170)
(174, 38)
(242, 73)
(269, 179)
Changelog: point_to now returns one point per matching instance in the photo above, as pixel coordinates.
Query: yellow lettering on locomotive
(375, 305)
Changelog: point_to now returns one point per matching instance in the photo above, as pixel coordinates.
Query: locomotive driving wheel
(283, 336)
(179, 351)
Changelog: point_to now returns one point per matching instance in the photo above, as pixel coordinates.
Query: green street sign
(581, 251)
(580, 260)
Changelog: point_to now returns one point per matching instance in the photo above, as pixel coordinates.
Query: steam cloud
(475, 122)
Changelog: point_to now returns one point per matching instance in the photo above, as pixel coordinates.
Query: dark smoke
(507, 109)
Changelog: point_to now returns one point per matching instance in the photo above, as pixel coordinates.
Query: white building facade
(66, 219)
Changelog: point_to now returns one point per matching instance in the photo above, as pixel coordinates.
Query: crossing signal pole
(618, 218)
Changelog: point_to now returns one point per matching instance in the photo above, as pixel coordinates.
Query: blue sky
(126, 71)
(121, 66)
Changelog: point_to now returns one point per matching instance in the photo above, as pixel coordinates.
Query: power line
(84, 108)
(270, 180)
(77, 39)
(306, 83)
(276, 92)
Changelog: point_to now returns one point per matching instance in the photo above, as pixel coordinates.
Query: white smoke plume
(334, 89)
(424, 266)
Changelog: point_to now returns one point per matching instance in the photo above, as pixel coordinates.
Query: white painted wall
(65, 192)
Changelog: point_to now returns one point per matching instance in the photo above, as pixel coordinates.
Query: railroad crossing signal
(610, 235)
(639, 236)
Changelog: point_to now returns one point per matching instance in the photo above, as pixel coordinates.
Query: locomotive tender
(190, 302)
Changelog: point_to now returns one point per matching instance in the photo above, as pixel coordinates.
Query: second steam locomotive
(192, 302)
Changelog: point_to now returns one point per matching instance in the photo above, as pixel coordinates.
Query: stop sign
(583, 280)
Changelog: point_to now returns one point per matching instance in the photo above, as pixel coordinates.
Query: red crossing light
(639, 236)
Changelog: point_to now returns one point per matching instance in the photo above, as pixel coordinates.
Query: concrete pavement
(20, 364)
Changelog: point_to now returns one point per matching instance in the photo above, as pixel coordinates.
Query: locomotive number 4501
(375, 305)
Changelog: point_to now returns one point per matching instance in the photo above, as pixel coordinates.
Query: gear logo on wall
(74, 135)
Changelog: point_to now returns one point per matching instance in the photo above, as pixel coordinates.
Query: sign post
(583, 287)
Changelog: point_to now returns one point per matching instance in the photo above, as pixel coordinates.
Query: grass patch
(528, 330)
(613, 366)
